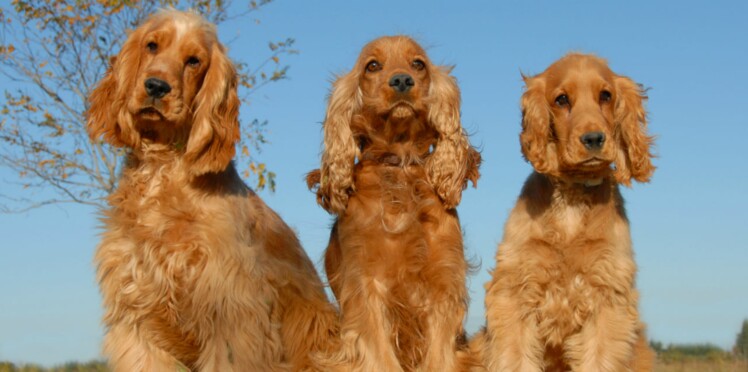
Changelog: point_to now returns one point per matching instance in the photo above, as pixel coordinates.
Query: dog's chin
(402, 110)
(150, 115)
(590, 168)
(157, 126)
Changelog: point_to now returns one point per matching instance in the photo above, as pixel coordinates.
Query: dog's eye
(192, 61)
(605, 96)
(418, 65)
(373, 66)
(562, 100)
(152, 47)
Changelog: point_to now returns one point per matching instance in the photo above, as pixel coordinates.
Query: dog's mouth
(150, 113)
(593, 162)
(593, 167)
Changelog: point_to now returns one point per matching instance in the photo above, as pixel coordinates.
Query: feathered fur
(194, 269)
(394, 164)
(563, 296)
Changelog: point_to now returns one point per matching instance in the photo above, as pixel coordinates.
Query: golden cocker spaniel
(394, 165)
(562, 296)
(195, 270)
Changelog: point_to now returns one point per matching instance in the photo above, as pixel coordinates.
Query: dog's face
(175, 57)
(171, 84)
(581, 120)
(394, 77)
(581, 94)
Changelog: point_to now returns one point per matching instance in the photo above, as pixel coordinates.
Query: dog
(562, 296)
(394, 165)
(195, 270)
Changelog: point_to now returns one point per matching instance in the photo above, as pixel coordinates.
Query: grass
(702, 366)
(92, 366)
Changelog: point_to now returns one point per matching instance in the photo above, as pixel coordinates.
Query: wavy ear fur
(535, 141)
(107, 115)
(215, 126)
(453, 160)
(339, 153)
(634, 156)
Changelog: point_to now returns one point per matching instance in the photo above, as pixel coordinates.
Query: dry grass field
(703, 366)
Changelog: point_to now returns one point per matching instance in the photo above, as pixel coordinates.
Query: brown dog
(394, 165)
(195, 270)
(562, 296)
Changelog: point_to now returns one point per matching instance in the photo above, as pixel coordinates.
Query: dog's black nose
(402, 82)
(156, 88)
(593, 140)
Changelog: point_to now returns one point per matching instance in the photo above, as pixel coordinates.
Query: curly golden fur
(562, 296)
(394, 165)
(195, 270)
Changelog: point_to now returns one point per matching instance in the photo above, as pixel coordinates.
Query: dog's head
(394, 79)
(172, 84)
(579, 118)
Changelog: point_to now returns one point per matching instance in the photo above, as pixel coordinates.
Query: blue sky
(689, 225)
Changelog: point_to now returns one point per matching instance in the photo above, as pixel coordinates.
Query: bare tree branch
(52, 53)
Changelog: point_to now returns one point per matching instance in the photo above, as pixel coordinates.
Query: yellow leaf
(43, 163)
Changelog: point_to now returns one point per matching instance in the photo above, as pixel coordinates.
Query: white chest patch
(569, 220)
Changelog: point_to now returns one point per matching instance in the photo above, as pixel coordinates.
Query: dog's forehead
(580, 69)
(393, 47)
(180, 25)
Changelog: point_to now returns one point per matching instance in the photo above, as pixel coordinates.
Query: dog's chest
(166, 233)
(569, 222)
(571, 285)
(567, 302)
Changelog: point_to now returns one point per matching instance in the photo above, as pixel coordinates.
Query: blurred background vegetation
(92, 366)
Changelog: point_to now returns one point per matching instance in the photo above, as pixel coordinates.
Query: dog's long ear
(634, 156)
(535, 139)
(215, 127)
(339, 153)
(453, 160)
(107, 114)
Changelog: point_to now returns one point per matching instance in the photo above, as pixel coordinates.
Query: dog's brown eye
(562, 100)
(152, 47)
(418, 65)
(605, 96)
(192, 62)
(373, 66)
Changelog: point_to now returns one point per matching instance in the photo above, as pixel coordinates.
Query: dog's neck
(576, 190)
(394, 141)
(148, 166)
